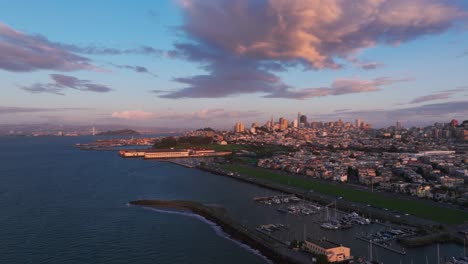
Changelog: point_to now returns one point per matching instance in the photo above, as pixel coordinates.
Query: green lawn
(417, 208)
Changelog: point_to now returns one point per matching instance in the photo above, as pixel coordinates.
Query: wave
(218, 230)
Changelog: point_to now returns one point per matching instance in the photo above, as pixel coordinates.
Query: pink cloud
(242, 43)
(20, 52)
(313, 31)
(213, 113)
(133, 114)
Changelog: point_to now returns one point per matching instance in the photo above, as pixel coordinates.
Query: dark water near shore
(62, 205)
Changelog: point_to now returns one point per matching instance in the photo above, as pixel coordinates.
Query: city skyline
(166, 65)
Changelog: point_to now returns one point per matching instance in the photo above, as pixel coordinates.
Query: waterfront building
(167, 154)
(333, 251)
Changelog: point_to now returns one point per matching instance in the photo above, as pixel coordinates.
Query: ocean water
(62, 205)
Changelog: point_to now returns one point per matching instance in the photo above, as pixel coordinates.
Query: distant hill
(123, 132)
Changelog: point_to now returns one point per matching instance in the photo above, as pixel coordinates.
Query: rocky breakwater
(273, 250)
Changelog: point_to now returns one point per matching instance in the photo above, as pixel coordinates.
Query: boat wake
(218, 230)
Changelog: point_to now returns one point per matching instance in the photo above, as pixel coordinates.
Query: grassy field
(418, 208)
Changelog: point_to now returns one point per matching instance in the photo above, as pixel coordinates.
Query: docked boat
(329, 226)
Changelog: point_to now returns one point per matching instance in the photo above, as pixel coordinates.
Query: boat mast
(335, 210)
(464, 247)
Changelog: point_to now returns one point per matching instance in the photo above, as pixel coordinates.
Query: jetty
(401, 252)
(270, 247)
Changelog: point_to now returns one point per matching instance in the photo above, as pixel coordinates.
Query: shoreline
(267, 248)
(416, 241)
(216, 228)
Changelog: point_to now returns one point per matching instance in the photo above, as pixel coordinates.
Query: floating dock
(401, 252)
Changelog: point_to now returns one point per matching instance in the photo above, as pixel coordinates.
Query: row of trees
(173, 142)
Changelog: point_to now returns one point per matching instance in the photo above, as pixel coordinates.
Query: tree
(167, 142)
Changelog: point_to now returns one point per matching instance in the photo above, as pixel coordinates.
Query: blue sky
(209, 62)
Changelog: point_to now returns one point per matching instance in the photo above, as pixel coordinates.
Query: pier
(401, 252)
(266, 198)
(271, 236)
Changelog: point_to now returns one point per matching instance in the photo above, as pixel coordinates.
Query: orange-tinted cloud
(212, 113)
(230, 38)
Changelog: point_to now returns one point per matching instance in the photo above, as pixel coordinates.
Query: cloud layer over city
(267, 36)
(227, 60)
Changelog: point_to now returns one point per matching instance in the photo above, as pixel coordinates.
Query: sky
(197, 63)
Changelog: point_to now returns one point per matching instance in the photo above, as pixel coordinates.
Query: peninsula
(123, 132)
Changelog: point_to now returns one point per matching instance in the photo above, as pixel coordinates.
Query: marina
(299, 207)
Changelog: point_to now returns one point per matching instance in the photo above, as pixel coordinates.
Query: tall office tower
(284, 123)
(303, 119)
(239, 127)
(359, 123)
(295, 123)
(398, 125)
(299, 116)
(454, 123)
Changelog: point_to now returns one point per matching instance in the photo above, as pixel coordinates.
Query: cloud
(94, 50)
(157, 91)
(369, 65)
(456, 90)
(228, 77)
(214, 113)
(419, 115)
(62, 82)
(430, 97)
(37, 88)
(338, 87)
(463, 54)
(254, 81)
(138, 69)
(342, 110)
(66, 81)
(15, 109)
(133, 114)
(20, 52)
(438, 96)
(233, 39)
